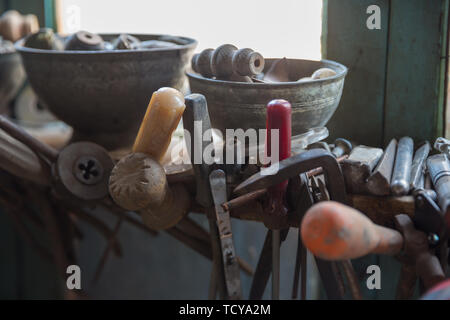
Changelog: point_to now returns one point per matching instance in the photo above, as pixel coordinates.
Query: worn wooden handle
(333, 231)
(228, 63)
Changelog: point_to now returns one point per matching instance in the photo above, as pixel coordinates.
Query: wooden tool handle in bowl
(333, 231)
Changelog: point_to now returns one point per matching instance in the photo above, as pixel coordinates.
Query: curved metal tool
(296, 165)
(300, 200)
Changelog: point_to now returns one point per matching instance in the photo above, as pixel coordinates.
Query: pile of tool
(309, 187)
(46, 39)
(229, 63)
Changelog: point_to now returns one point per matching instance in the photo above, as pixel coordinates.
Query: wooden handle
(201, 63)
(228, 63)
(163, 114)
(333, 231)
(139, 183)
(86, 41)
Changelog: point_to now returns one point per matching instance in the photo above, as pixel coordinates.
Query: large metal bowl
(12, 76)
(235, 105)
(103, 95)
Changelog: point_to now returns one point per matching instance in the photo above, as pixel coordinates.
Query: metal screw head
(82, 170)
(88, 170)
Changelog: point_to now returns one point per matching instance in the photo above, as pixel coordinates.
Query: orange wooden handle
(333, 231)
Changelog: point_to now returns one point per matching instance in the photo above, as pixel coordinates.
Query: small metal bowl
(235, 105)
(103, 94)
(12, 76)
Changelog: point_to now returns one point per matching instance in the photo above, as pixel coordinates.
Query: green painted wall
(395, 84)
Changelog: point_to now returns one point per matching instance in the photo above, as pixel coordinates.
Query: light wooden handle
(163, 114)
(139, 183)
(333, 231)
(228, 63)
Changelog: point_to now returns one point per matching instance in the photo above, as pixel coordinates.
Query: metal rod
(298, 266)
(417, 167)
(402, 169)
(275, 264)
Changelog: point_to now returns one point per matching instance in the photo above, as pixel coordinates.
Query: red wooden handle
(333, 231)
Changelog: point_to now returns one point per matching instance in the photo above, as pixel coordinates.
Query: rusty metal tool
(401, 176)
(296, 165)
(293, 167)
(439, 170)
(341, 147)
(217, 180)
(358, 167)
(196, 113)
(379, 182)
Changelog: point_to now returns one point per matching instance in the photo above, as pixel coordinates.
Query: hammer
(138, 181)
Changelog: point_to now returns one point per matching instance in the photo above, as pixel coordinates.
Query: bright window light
(282, 28)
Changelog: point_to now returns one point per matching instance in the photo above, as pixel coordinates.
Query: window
(291, 28)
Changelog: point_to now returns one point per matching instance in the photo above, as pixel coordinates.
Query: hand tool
(138, 181)
(442, 145)
(379, 182)
(227, 62)
(439, 170)
(335, 232)
(401, 176)
(278, 118)
(163, 114)
(341, 147)
(85, 41)
(224, 275)
(418, 166)
(358, 167)
(217, 180)
(293, 167)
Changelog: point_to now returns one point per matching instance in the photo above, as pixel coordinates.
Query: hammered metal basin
(103, 95)
(12, 76)
(235, 105)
